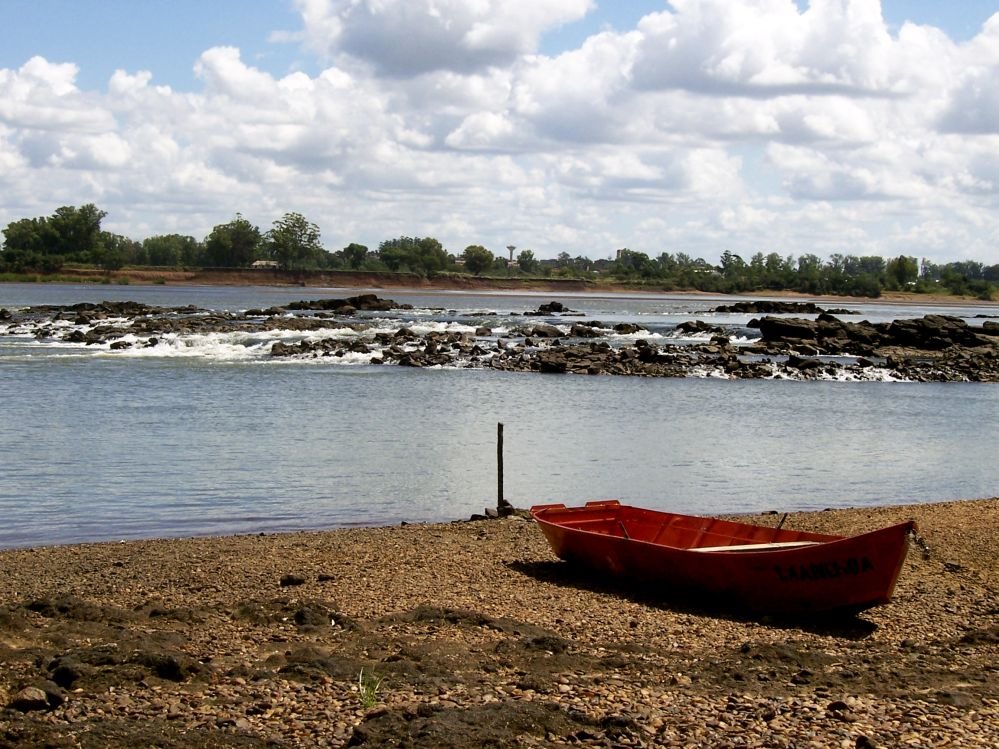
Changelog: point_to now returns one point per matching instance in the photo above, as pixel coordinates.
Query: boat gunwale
(822, 541)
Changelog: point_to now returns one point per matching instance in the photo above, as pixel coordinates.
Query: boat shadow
(845, 625)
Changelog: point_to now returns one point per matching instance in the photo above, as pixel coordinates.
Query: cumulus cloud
(405, 38)
(39, 73)
(43, 96)
(766, 48)
(974, 106)
(579, 95)
(12, 160)
(485, 131)
(710, 125)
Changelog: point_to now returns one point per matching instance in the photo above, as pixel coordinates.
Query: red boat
(765, 569)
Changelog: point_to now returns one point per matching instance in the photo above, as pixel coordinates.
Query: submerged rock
(350, 305)
(552, 309)
(772, 307)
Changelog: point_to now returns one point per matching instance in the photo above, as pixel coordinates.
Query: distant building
(269, 264)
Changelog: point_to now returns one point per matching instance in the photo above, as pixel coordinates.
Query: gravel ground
(472, 634)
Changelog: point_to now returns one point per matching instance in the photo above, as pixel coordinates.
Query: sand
(472, 634)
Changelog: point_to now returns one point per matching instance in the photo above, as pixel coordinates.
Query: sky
(581, 126)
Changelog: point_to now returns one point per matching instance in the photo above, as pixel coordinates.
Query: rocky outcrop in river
(831, 335)
(931, 348)
(774, 307)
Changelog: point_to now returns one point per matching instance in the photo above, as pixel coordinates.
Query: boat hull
(735, 565)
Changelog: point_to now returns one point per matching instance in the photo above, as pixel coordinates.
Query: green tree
(477, 259)
(396, 254)
(26, 247)
(432, 255)
(981, 289)
(809, 274)
(732, 265)
(572, 267)
(666, 265)
(73, 233)
(29, 235)
(77, 232)
(527, 262)
(779, 272)
(868, 265)
(756, 270)
(115, 251)
(294, 243)
(233, 245)
(68, 234)
(631, 264)
(901, 271)
(354, 255)
(834, 274)
(171, 250)
(735, 272)
(414, 254)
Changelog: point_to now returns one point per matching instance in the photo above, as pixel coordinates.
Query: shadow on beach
(846, 625)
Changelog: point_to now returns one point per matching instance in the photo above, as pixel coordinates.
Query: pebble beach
(473, 634)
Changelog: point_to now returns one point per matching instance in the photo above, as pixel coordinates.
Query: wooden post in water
(502, 506)
(499, 465)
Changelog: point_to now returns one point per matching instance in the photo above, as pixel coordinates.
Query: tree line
(293, 243)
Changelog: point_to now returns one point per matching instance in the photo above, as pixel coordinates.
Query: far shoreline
(376, 281)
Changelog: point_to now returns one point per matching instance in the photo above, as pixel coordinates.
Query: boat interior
(679, 531)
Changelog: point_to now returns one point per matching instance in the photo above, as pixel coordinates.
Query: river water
(208, 435)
